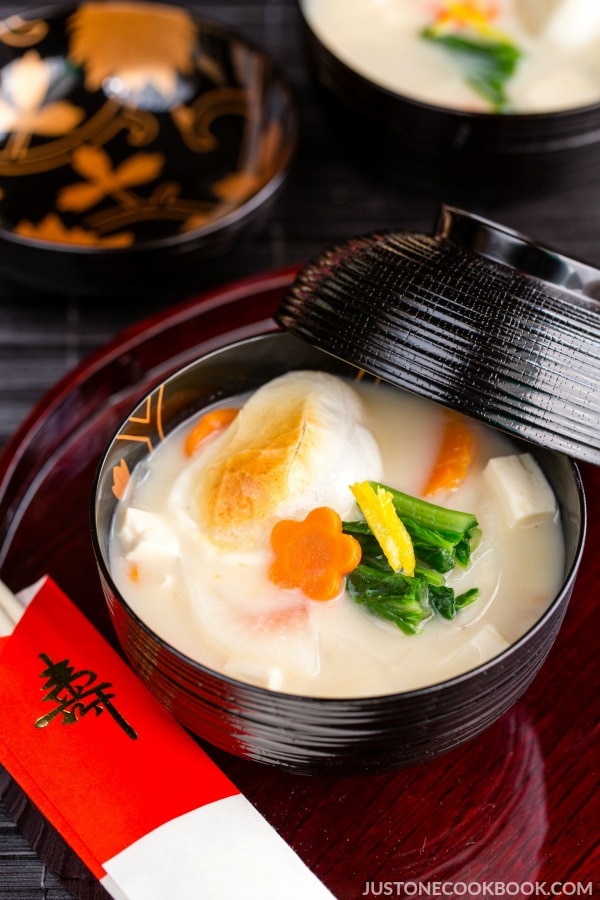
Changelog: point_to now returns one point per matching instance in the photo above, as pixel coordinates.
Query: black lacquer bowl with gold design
(135, 139)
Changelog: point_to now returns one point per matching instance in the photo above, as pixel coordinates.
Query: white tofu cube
(523, 493)
(153, 546)
(142, 526)
(153, 563)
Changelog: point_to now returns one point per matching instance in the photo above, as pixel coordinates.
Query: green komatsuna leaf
(400, 599)
(432, 561)
(441, 537)
(488, 64)
(372, 554)
(432, 547)
(443, 601)
(466, 599)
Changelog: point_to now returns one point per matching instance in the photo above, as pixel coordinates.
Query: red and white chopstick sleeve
(130, 791)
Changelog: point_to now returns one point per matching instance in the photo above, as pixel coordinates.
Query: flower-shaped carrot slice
(314, 554)
(214, 420)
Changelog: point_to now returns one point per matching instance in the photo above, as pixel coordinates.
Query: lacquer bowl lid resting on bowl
(304, 734)
(477, 317)
(133, 136)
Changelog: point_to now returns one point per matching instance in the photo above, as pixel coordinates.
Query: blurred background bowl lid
(475, 316)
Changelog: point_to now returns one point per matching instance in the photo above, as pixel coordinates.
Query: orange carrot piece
(454, 456)
(212, 421)
(314, 554)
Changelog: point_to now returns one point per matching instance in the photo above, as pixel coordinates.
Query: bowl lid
(476, 316)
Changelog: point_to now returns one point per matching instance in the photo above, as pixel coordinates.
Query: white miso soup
(521, 56)
(192, 551)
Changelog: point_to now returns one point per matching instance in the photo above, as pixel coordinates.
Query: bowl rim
(196, 235)
(448, 685)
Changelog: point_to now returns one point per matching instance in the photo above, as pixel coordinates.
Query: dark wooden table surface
(330, 194)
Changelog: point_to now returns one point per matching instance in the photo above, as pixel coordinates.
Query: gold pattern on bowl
(125, 123)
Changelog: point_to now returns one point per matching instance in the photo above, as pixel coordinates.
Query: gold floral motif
(18, 32)
(24, 107)
(52, 228)
(142, 44)
(95, 165)
(102, 181)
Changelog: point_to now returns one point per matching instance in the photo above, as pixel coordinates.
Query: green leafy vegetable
(441, 537)
(488, 64)
(447, 604)
(402, 599)
(372, 554)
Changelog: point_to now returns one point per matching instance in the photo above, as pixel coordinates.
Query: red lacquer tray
(517, 806)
